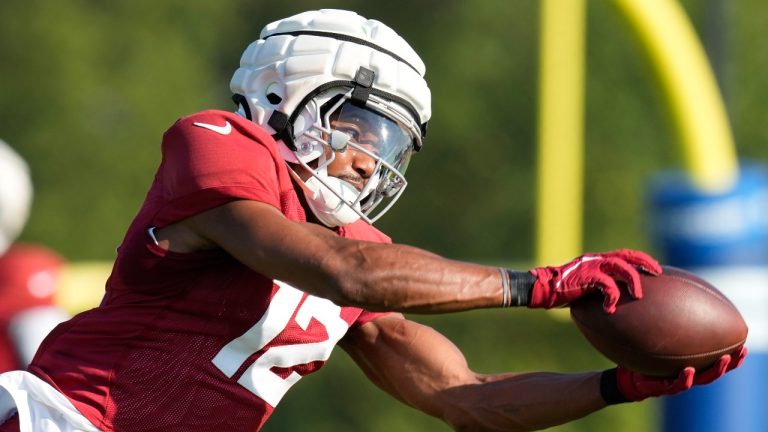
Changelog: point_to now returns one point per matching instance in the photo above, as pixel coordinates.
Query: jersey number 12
(258, 378)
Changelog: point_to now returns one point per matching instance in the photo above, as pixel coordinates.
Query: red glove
(558, 286)
(623, 385)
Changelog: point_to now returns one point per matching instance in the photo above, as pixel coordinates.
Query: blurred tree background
(90, 86)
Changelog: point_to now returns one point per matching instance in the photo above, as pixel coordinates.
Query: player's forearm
(522, 402)
(371, 275)
(374, 276)
(408, 279)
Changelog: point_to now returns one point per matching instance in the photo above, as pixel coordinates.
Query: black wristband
(520, 286)
(609, 388)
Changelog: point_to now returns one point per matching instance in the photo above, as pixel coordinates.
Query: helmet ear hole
(274, 98)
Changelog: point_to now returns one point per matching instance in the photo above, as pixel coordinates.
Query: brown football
(682, 320)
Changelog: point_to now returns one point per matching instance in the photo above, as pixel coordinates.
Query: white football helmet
(15, 195)
(320, 80)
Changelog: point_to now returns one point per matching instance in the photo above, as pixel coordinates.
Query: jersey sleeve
(362, 230)
(368, 316)
(212, 158)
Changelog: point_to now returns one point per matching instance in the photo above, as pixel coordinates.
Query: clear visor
(377, 134)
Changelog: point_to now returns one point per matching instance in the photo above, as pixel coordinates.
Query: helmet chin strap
(326, 196)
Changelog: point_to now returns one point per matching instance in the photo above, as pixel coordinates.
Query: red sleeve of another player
(204, 167)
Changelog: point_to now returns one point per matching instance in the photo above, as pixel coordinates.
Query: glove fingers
(737, 358)
(609, 289)
(683, 382)
(620, 270)
(635, 386)
(716, 371)
(638, 259)
(557, 286)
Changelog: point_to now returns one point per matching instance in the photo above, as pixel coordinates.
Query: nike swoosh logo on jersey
(224, 130)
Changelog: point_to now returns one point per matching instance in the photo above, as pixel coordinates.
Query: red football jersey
(28, 278)
(197, 341)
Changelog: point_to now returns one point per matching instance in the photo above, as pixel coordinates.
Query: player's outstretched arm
(391, 277)
(312, 258)
(420, 367)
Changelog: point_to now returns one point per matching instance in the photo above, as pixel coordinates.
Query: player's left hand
(634, 386)
(558, 286)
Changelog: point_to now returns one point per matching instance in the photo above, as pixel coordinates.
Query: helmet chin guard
(329, 200)
(320, 80)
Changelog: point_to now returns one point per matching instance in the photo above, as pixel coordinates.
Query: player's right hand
(558, 286)
(634, 386)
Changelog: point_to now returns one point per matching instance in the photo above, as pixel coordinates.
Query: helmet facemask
(332, 124)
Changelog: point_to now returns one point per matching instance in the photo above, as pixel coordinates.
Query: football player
(253, 255)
